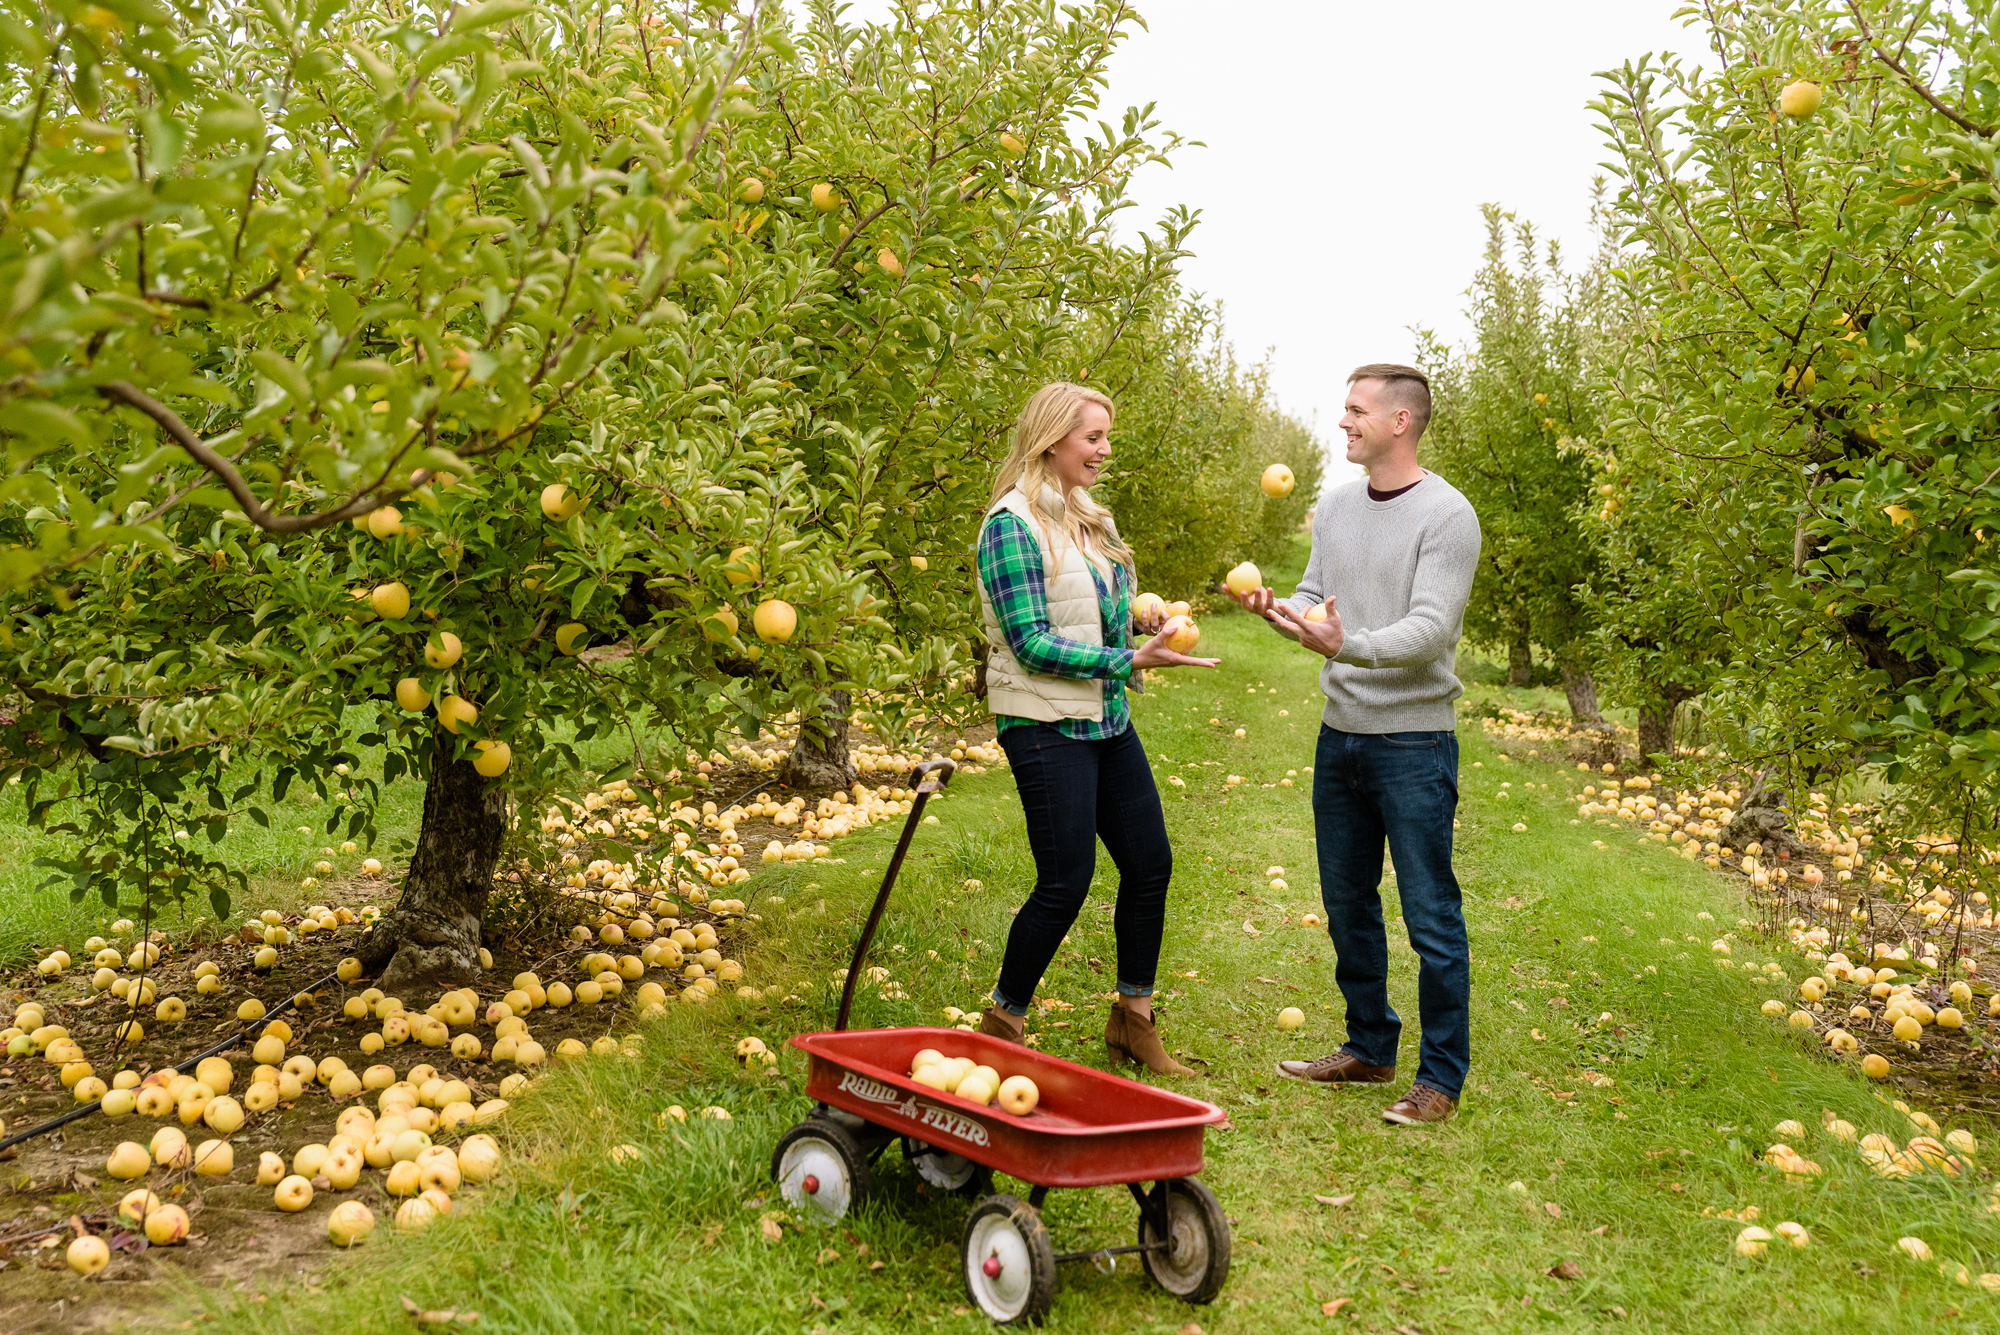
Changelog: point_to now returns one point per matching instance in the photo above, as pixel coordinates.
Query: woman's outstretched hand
(1155, 653)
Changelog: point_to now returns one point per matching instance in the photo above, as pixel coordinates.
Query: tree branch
(361, 503)
(1917, 85)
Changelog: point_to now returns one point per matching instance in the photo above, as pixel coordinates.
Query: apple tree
(1513, 412)
(1808, 236)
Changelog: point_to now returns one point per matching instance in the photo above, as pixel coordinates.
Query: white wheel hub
(997, 1268)
(949, 1171)
(813, 1177)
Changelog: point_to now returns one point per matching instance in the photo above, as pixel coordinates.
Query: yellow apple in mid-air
(391, 601)
(455, 711)
(1245, 578)
(493, 758)
(560, 504)
(1278, 481)
(443, 649)
(775, 620)
(567, 637)
(1182, 634)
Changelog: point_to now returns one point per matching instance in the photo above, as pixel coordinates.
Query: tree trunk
(1581, 688)
(1520, 662)
(430, 939)
(819, 757)
(1656, 728)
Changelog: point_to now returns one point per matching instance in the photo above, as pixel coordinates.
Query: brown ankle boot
(1000, 1022)
(1132, 1038)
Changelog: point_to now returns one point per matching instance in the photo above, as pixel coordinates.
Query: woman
(1056, 586)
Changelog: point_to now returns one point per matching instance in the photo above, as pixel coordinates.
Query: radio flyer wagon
(1089, 1129)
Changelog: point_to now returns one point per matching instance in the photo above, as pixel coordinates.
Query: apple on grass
(350, 1222)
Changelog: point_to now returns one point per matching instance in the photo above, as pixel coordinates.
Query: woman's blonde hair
(1055, 411)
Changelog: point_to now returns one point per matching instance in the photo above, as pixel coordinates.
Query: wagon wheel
(947, 1171)
(1194, 1264)
(820, 1169)
(1010, 1266)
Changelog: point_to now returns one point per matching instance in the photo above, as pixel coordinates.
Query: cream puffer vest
(1011, 689)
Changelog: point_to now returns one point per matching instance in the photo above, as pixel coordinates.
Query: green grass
(1450, 1228)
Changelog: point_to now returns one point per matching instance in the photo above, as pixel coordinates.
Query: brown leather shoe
(1337, 1068)
(1421, 1104)
(999, 1022)
(1131, 1037)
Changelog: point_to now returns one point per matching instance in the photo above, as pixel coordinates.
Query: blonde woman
(1056, 585)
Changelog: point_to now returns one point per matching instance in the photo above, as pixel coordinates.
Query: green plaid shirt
(1010, 566)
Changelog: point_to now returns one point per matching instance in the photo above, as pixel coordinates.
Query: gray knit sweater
(1401, 571)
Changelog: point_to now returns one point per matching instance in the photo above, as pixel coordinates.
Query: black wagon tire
(821, 1170)
(1009, 1263)
(1194, 1265)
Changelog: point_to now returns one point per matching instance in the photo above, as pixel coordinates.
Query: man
(1383, 601)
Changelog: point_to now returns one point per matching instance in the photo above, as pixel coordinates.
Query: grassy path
(1471, 1226)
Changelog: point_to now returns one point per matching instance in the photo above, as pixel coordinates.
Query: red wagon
(1089, 1129)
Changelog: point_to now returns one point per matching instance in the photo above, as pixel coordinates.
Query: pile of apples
(397, 1142)
(968, 1079)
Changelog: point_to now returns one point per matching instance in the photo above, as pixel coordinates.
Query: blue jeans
(1073, 794)
(1402, 786)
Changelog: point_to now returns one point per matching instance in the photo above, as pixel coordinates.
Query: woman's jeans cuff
(1009, 1006)
(1126, 989)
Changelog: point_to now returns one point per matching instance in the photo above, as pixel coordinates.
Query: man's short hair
(1403, 387)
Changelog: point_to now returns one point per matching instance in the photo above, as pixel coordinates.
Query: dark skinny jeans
(1073, 794)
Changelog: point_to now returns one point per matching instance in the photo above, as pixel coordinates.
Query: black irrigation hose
(254, 1030)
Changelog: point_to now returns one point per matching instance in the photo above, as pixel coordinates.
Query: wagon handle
(927, 784)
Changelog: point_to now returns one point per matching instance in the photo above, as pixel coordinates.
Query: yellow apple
(775, 620)
(493, 758)
(214, 1158)
(295, 1193)
(567, 637)
(1800, 99)
(135, 1205)
(167, 1226)
(88, 1255)
(1179, 610)
(744, 557)
(719, 624)
(1291, 1017)
(1014, 147)
(1148, 605)
(1278, 481)
(350, 1222)
(386, 522)
(1317, 612)
(454, 711)
(1875, 1067)
(130, 1160)
(443, 649)
(560, 504)
(120, 1102)
(1245, 578)
(751, 190)
(1018, 1095)
(890, 264)
(825, 198)
(391, 601)
(411, 697)
(1182, 634)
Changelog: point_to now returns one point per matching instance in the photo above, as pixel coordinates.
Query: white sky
(1325, 243)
